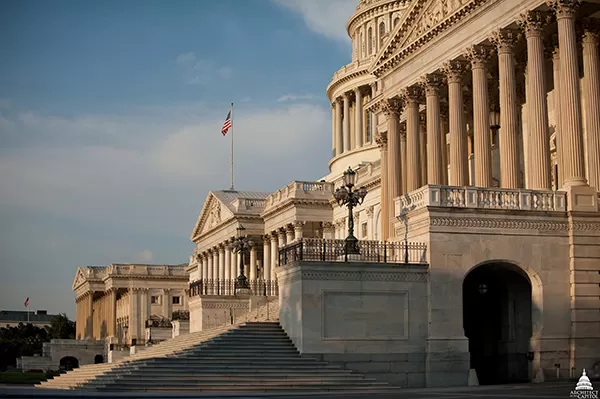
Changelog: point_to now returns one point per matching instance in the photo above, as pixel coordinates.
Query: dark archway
(98, 359)
(69, 363)
(497, 321)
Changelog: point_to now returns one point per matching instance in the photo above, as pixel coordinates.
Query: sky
(110, 117)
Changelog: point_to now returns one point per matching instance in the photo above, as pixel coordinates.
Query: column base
(581, 198)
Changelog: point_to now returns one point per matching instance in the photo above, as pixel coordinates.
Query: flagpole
(231, 152)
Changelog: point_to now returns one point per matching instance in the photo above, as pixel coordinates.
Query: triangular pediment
(80, 278)
(422, 17)
(213, 213)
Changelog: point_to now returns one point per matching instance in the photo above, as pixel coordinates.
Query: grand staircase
(250, 356)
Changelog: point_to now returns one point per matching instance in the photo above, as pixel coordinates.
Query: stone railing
(300, 190)
(481, 198)
(352, 67)
(249, 204)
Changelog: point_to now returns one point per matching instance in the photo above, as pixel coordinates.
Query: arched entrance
(497, 321)
(69, 363)
(98, 359)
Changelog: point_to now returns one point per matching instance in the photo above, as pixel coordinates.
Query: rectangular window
(155, 300)
(364, 229)
(176, 300)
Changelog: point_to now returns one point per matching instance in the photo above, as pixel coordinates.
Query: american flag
(227, 124)
(26, 302)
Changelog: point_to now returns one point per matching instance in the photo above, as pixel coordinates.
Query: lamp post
(346, 196)
(241, 245)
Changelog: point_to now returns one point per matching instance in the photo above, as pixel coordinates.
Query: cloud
(144, 256)
(5, 103)
(325, 17)
(295, 97)
(201, 71)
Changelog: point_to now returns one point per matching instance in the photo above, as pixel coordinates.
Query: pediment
(422, 17)
(80, 278)
(213, 213)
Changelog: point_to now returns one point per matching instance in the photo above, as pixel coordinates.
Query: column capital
(298, 224)
(381, 140)
(326, 225)
(478, 55)
(391, 107)
(412, 95)
(454, 70)
(505, 39)
(534, 22)
(432, 82)
(370, 210)
(564, 8)
(591, 31)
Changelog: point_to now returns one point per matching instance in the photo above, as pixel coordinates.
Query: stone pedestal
(582, 199)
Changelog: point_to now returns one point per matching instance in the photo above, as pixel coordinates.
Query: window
(155, 300)
(396, 21)
(370, 41)
(369, 127)
(176, 300)
(364, 229)
(381, 32)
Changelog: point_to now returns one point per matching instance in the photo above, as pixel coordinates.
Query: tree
(61, 327)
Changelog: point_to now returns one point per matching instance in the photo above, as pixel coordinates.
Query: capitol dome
(584, 383)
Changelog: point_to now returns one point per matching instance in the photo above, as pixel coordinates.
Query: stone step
(126, 385)
(283, 388)
(237, 352)
(275, 376)
(283, 366)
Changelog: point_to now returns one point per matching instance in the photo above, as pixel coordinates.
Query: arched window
(370, 41)
(381, 32)
(396, 21)
(362, 44)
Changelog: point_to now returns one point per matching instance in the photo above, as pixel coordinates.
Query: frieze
(515, 224)
(396, 276)
(239, 304)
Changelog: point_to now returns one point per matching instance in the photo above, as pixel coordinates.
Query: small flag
(26, 302)
(227, 124)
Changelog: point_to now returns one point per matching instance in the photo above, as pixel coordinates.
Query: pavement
(524, 391)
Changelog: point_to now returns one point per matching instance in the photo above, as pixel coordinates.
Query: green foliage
(61, 327)
(27, 339)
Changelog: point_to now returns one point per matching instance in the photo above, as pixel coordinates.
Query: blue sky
(110, 115)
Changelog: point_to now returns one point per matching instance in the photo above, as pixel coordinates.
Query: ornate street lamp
(346, 196)
(241, 245)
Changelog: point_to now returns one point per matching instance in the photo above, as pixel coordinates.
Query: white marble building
(475, 127)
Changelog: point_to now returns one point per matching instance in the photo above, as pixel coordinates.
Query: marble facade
(475, 127)
(115, 302)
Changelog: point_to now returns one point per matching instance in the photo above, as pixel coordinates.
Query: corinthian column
(333, 136)
(381, 140)
(392, 108)
(339, 139)
(423, 148)
(347, 141)
(591, 87)
(266, 257)
(479, 56)
(411, 96)
(505, 39)
(403, 168)
(538, 146)
(358, 112)
(435, 172)
(558, 110)
(459, 168)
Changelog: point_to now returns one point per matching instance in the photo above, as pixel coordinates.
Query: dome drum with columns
(475, 127)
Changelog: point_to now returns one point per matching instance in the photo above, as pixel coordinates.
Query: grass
(17, 377)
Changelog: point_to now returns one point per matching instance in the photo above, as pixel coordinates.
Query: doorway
(497, 321)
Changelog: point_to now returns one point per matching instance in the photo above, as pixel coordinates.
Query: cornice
(292, 202)
(226, 223)
(384, 62)
(361, 71)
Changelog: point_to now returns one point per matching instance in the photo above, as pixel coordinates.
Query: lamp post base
(351, 246)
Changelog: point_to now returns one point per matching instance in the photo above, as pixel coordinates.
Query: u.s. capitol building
(474, 126)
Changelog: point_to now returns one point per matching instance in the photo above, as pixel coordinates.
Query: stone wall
(371, 318)
(85, 351)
